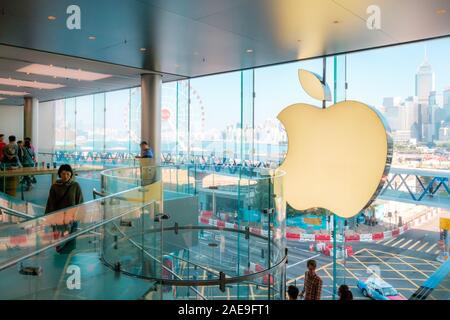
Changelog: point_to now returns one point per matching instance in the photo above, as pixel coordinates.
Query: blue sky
(371, 75)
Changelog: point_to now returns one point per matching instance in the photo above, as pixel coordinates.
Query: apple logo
(338, 158)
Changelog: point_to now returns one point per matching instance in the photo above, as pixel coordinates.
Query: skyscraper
(424, 86)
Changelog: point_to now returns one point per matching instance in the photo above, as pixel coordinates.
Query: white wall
(11, 121)
(46, 126)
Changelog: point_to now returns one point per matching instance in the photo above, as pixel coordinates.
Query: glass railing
(13, 210)
(32, 184)
(180, 232)
(37, 254)
(215, 234)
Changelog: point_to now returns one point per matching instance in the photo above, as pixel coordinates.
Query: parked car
(378, 289)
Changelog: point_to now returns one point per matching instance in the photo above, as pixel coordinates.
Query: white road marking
(398, 242)
(291, 265)
(434, 245)
(415, 244)
(389, 241)
(437, 251)
(406, 243)
(418, 249)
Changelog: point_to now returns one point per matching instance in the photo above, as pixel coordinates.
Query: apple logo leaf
(314, 85)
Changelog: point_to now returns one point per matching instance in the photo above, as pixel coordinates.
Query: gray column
(30, 120)
(151, 85)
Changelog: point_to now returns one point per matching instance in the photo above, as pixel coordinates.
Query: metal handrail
(17, 213)
(71, 236)
(211, 282)
(157, 260)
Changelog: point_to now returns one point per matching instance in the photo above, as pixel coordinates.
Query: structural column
(31, 119)
(151, 85)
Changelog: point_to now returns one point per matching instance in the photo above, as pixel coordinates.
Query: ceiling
(189, 38)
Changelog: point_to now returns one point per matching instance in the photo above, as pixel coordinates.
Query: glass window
(60, 125)
(117, 121)
(135, 120)
(215, 116)
(99, 122)
(276, 88)
(85, 123)
(70, 110)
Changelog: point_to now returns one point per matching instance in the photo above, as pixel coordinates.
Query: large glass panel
(276, 88)
(99, 122)
(70, 122)
(85, 124)
(248, 116)
(60, 125)
(117, 122)
(182, 141)
(169, 112)
(135, 119)
(215, 116)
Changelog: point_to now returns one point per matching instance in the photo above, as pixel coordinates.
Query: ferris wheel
(194, 121)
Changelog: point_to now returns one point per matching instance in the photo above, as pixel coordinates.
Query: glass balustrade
(172, 232)
(213, 232)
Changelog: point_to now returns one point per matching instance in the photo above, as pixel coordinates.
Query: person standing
(11, 153)
(312, 288)
(2, 146)
(65, 193)
(9, 161)
(292, 292)
(345, 293)
(146, 151)
(28, 160)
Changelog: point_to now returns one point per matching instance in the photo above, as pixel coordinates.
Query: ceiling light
(13, 93)
(441, 11)
(77, 74)
(30, 84)
(249, 50)
(92, 38)
(143, 49)
(51, 18)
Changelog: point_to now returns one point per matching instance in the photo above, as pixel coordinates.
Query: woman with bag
(65, 193)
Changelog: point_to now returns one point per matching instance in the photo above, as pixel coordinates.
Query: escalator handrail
(71, 236)
(17, 213)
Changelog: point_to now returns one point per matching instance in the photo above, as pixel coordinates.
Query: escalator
(31, 267)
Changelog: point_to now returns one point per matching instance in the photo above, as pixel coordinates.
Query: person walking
(312, 288)
(65, 193)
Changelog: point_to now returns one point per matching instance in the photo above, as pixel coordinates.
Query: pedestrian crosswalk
(411, 244)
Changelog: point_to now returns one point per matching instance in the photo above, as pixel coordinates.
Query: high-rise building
(424, 81)
(424, 86)
(446, 97)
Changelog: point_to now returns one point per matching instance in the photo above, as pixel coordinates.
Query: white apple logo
(338, 157)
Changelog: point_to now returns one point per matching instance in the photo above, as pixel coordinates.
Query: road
(405, 262)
